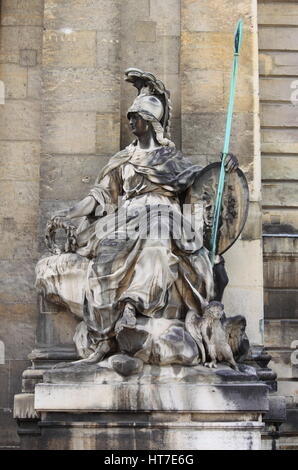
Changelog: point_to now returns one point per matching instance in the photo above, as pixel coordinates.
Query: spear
(221, 181)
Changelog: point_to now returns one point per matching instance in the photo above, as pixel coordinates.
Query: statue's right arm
(84, 207)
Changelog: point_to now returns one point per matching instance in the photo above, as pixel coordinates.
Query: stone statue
(221, 337)
(135, 271)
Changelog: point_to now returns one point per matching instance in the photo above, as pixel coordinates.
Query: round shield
(234, 207)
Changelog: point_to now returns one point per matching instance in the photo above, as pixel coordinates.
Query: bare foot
(128, 319)
(102, 349)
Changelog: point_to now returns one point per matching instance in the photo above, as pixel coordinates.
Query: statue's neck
(147, 142)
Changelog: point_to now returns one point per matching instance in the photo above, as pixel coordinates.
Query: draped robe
(124, 253)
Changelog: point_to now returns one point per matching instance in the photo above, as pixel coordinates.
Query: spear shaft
(221, 181)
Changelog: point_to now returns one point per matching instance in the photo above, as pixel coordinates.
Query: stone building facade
(64, 114)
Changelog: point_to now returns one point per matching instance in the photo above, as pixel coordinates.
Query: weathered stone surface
(279, 167)
(87, 89)
(18, 240)
(21, 197)
(69, 177)
(277, 13)
(107, 133)
(281, 304)
(291, 424)
(73, 49)
(20, 274)
(202, 91)
(19, 161)
(15, 80)
(280, 194)
(155, 431)
(278, 63)
(280, 363)
(252, 301)
(4, 389)
(176, 132)
(280, 333)
(280, 220)
(108, 54)
(244, 94)
(276, 39)
(175, 396)
(24, 406)
(28, 57)
(145, 31)
(277, 410)
(207, 16)
(15, 38)
(204, 133)
(8, 429)
(130, 14)
(34, 83)
(280, 245)
(167, 17)
(18, 330)
(69, 133)
(280, 272)
(282, 115)
(253, 226)
(289, 388)
(279, 141)
(22, 12)
(161, 59)
(213, 51)
(276, 89)
(16, 367)
(246, 285)
(173, 83)
(19, 120)
(88, 14)
(56, 328)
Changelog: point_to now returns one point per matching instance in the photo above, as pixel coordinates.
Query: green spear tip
(238, 36)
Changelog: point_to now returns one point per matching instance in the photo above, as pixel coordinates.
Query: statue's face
(138, 125)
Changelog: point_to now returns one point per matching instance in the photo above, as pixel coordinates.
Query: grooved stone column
(206, 59)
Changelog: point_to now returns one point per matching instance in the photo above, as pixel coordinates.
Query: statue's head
(152, 105)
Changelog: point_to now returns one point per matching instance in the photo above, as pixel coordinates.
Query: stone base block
(150, 431)
(161, 408)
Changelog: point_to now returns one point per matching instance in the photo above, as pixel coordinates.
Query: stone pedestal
(162, 408)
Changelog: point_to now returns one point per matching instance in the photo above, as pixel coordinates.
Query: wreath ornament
(70, 244)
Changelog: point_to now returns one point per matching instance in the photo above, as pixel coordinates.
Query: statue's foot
(126, 365)
(128, 319)
(98, 355)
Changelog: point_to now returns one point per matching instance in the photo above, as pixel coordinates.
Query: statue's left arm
(101, 198)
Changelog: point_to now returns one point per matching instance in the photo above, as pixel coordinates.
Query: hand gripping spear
(221, 182)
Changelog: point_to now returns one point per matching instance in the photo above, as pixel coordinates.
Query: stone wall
(20, 68)
(278, 57)
(62, 64)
